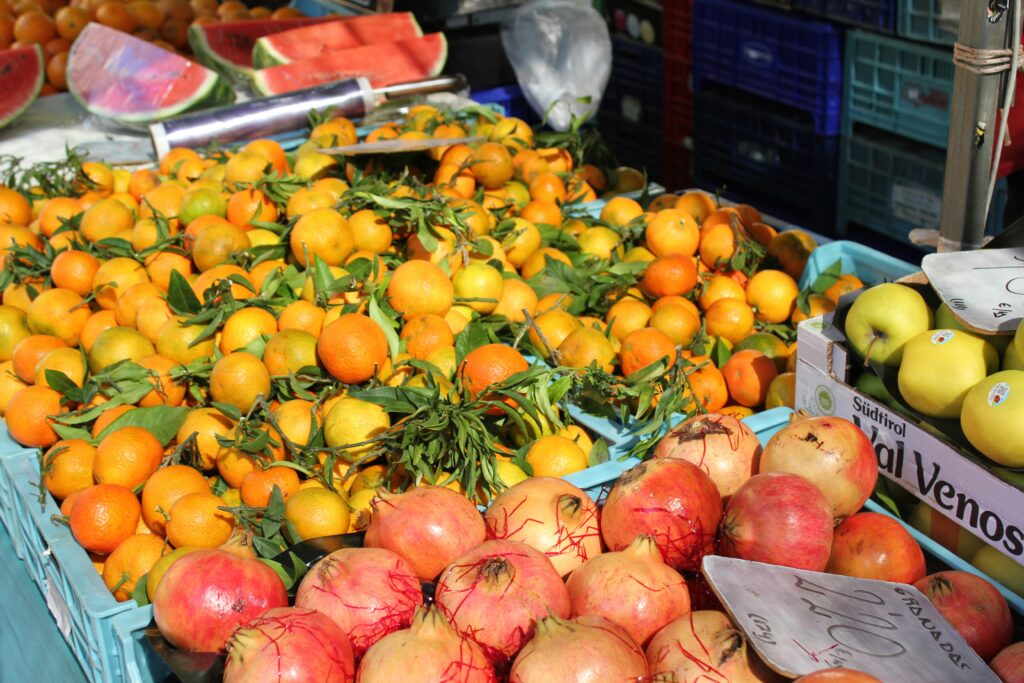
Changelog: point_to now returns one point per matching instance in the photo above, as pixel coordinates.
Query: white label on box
(58, 608)
(916, 205)
(927, 467)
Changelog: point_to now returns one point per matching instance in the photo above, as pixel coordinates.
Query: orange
(74, 270)
(218, 273)
(216, 244)
(445, 247)
(147, 15)
(708, 384)
(720, 287)
(60, 313)
(57, 211)
(491, 165)
(151, 316)
(627, 315)
(9, 385)
(128, 304)
(844, 285)
(769, 345)
(679, 323)
(460, 180)
(555, 456)
(29, 351)
(113, 277)
(34, 27)
(516, 297)
(586, 346)
(127, 457)
(70, 21)
(270, 150)
(159, 266)
(672, 231)
(730, 319)
(321, 233)
(13, 328)
(489, 364)
(539, 259)
(762, 233)
(97, 323)
(259, 485)
(288, 351)
(517, 135)
(248, 205)
(792, 249)
(163, 200)
(425, 334)
(369, 231)
(118, 344)
(353, 347)
(207, 424)
(16, 235)
(550, 329)
(107, 417)
(103, 517)
(669, 276)
(302, 315)
(697, 204)
(601, 242)
(130, 561)
(305, 200)
(748, 375)
(642, 347)
(238, 379)
(179, 343)
(14, 208)
(542, 212)
(818, 304)
(620, 211)
(167, 391)
(420, 287)
(196, 520)
(66, 361)
(519, 238)
(547, 187)
(67, 467)
(772, 294)
(106, 218)
(717, 245)
(527, 164)
(244, 326)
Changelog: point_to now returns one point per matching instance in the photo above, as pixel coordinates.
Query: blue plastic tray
(870, 265)
(877, 15)
(511, 100)
(785, 57)
(919, 20)
(899, 87)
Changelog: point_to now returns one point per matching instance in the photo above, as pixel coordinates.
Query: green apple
(874, 387)
(945, 320)
(883, 319)
(945, 531)
(940, 366)
(998, 566)
(1011, 360)
(993, 417)
(1018, 341)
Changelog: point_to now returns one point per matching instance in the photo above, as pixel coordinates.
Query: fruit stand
(320, 362)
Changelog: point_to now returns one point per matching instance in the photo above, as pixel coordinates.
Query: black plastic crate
(877, 15)
(636, 145)
(636, 86)
(767, 153)
(642, 20)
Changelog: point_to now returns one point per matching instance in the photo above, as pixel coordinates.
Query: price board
(800, 622)
(984, 289)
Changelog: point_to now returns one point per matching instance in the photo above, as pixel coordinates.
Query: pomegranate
(974, 607)
(587, 648)
(289, 644)
(837, 676)
(207, 594)
(429, 526)
(870, 545)
(633, 587)
(368, 592)
(704, 646)
(1009, 664)
(494, 593)
(672, 500)
(833, 453)
(550, 515)
(429, 651)
(724, 447)
(781, 519)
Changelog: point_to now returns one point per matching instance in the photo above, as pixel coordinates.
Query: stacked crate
(768, 100)
(898, 96)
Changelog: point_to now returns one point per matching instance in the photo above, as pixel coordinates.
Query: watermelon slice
(22, 73)
(382, 63)
(118, 76)
(314, 41)
(227, 46)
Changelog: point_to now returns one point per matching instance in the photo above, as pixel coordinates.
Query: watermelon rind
(261, 79)
(209, 56)
(15, 109)
(214, 91)
(265, 53)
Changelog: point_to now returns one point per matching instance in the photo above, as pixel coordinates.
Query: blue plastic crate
(80, 603)
(891, 185)
(870, 265)
(744, 142)
(787, 58)
(919, 20)
(511, 100)
(899, 87)
(9, 507)
(636, 86)
(877, 15)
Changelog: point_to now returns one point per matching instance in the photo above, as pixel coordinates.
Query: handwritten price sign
(984, 289)
(801, 622)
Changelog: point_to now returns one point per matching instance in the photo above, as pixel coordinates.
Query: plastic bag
(561, 52)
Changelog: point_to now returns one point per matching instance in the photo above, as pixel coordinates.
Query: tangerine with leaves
(586, 347)
(707, 383)
(27, 353)
(844, 285)
(491, 165)
(626, 315)
(206, 424)
(353, 347)
(66, 361)
(487, 365)
(550, 329)
(167, 389)
(425, 334)
(620, 211)
(679, 323)
(323, 234)
(748, 374)
(103, 517)
(420, 287)
(196, 520)
(555, 456)
(772, 294)
(106, 218)
(672, 232)
(56, 213)
(164, 488)
(258, 485)
(130, 561)
(67, 467)
(817, 304)
(673, 275)
(13, 328)
(239, 379)
(730, 319)
(698, 204)
(127, 457)
(74, 270)
(643, 347)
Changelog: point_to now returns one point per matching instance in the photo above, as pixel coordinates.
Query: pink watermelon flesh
(229, 44)
(122, 77)
(313, 41)
(21, 79)
(382, 63)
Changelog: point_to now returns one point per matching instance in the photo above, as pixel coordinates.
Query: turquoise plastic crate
(898, 86)
(78, 600)
(140, 662)
(9, 509)
(870, 265)
(919, 20)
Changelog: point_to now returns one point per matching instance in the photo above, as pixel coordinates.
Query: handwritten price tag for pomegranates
(984, 289)
(801, 622)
